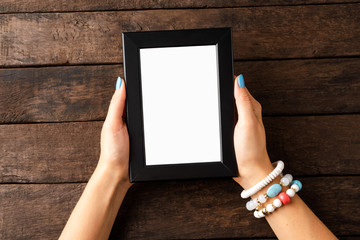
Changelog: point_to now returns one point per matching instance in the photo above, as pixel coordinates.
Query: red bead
(284, 198)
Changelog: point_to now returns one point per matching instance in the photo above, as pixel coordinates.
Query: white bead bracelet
(260, 185)
(284, 199)
(273, 191)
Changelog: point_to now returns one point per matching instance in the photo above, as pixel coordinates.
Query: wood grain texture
(315, 143)
(38, 211)
(91, 5)
(172, 210)
(258, 33)
(299, 87)
(82, 93)
(355, 237)
(68, 152)
(56, 94)
(60, 155)
(49, 152)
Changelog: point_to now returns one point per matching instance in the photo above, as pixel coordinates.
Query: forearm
(96, 210)
(292, 221)
(297, 221)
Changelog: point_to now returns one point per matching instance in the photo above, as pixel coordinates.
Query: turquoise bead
(274, 190)
(297, 182)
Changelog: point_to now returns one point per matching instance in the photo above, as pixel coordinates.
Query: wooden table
(59, 61)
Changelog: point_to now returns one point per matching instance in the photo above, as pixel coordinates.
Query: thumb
(117, 105)
(243, 100)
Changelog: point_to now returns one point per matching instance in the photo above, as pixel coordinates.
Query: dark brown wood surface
(82, 93)
(172, 210)
(258, 32)
(68, 152)
(59, 60)
(22, 6)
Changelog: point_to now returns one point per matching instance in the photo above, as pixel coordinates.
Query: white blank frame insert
(180, 106)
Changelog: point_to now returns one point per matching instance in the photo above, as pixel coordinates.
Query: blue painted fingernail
(118, 83)
(241, 81)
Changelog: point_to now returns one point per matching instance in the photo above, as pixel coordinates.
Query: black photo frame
(133, 43)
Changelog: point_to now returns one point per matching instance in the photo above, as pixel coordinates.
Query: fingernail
(118, 83)
(241, 81)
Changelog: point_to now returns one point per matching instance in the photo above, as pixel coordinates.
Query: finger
(243, 101)
(117, 105)
(256, 106)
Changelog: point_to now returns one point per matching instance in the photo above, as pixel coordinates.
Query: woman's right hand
(249, 138)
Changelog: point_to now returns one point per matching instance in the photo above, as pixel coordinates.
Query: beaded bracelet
(260, 185)
(272, 191)
(283, 199)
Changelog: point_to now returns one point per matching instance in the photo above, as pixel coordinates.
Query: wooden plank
(11, 6)
(82, 93)
(57, 93)
(36, 211)
(68, 152)
(62, 152)
(172, 210)
(354, 237)
(258, 33)
(211, 209)
(297, 87)
(340, 237)
(319, 144)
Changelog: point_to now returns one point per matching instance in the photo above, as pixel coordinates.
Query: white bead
(248, 206)
(251, 205)
(290, 192)
(270, 208)
(262, 198)
(256, 214)
(277, 203)
(285, 181)
(289, 176)
(295, 187)
(261, 214)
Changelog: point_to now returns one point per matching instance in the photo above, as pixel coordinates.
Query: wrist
(254, 173)
(115, 174)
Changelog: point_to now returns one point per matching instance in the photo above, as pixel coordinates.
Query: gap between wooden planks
(68, 152)
(83, 93)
